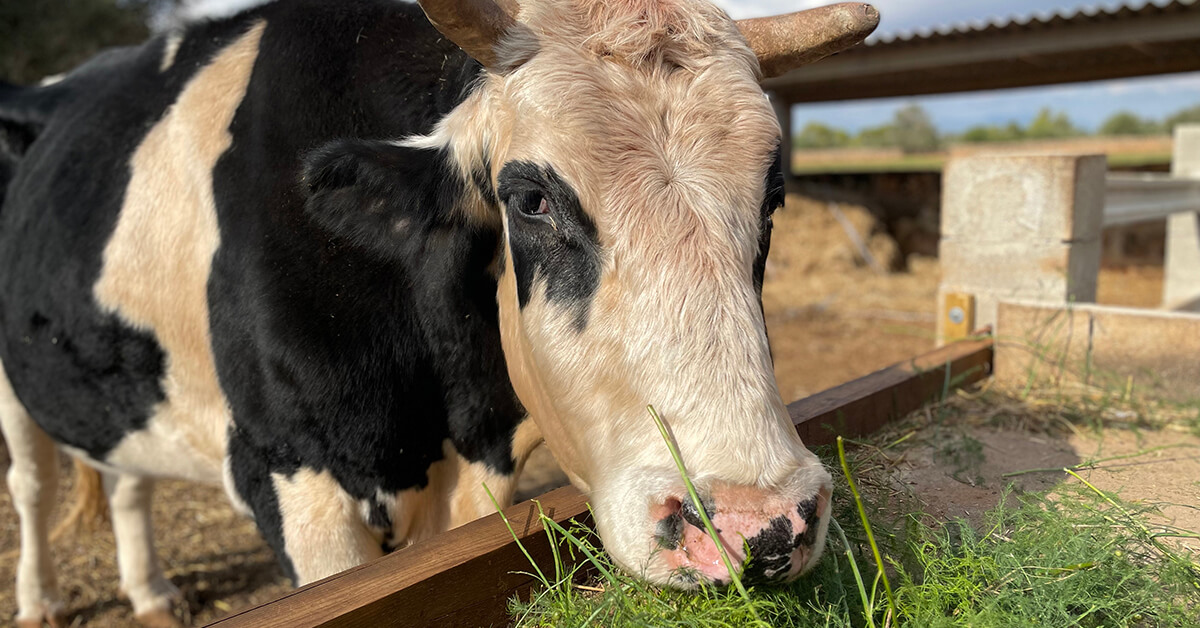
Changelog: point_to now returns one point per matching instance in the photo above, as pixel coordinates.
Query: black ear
(379, 195)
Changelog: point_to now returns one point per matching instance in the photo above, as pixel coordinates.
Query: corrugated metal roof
(1035, 22)
(1099, 43)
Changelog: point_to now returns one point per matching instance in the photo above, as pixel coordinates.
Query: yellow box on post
(958, 317)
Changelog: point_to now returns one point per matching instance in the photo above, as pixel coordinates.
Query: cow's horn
(789, 41)
(473, 25)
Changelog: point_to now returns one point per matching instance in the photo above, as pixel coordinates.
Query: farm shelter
(1121, 41)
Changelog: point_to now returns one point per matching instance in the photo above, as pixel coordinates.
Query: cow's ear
(376, 194)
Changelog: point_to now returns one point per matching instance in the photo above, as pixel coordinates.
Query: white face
(635, 159)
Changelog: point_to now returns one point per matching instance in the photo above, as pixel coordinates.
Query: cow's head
(631, 159)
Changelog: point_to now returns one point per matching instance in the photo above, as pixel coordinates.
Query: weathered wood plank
(466, 576)
(461, 578)
(866, 404)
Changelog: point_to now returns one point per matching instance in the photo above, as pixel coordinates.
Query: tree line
(40, 38)
(913, 131)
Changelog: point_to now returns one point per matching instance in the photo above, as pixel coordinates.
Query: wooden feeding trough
(466, 576)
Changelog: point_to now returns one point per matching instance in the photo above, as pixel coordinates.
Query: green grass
(1072, 557)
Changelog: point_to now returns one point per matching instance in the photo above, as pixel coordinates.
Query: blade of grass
(708, 526)
(862, 513)
(496, 505)
(868, 611)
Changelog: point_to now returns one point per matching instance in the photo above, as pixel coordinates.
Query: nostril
(692, 515)
(809, 511)
(669, 531)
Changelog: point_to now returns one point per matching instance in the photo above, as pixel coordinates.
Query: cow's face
(634, 158)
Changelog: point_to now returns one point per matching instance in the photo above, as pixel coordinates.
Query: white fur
(32, 480)
(652, 112)
(141, 578)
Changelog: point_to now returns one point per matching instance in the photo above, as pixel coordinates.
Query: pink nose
(779, 533)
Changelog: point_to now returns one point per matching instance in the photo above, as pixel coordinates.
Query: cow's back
(164, 192)
(89, 372)
(341, 359)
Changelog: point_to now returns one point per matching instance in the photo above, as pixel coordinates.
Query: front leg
(314, 526)
(322, 526)
(468, 500)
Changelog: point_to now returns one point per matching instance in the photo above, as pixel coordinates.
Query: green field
(936, 161)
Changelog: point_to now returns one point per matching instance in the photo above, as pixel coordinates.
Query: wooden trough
(466, 576)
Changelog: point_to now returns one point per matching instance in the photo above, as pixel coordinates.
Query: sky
(1088, 104)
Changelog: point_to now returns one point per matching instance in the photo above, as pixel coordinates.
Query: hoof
(161, 618)
(56, 619)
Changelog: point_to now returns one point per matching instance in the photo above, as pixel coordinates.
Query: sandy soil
(830, 316)
(956, 467)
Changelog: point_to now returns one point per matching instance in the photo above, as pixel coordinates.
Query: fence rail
(1133, 198)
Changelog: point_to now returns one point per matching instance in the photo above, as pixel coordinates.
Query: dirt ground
(831, 317)
(958, 464)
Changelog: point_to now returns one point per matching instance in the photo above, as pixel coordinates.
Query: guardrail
(1134, 198)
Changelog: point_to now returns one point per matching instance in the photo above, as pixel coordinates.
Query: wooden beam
(866, 404)
(466, 576)
(1083, 50)
(463, 577)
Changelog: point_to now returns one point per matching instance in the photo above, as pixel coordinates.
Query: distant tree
(1191, 115)
(1129, 123)
(1050, 125)
(817, 135)
(915, 132)
(991, 133)
(876, 137)
(39, 38)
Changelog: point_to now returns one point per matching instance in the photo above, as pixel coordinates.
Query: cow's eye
(531, 204)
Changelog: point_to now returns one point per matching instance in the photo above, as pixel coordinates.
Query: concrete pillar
(1181, 282)
(1019, 227)
(783, 111)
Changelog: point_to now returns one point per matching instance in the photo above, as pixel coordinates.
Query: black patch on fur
(341, 345)
(773, 199)
(354, 346)
(808, 512)
(771, 551)
(562, 247)
(85, 376)
(379, 517)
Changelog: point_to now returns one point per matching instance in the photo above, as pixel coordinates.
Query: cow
(354, 260)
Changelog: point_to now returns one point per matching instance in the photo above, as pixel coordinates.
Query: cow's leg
(323, 528)
(33, 481)
(141, 578)
(315, 527)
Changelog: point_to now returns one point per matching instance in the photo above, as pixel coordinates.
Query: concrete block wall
(1100, 347)
(1181, 282)
(1022, 227)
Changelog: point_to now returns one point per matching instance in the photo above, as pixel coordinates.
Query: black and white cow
(355, 268)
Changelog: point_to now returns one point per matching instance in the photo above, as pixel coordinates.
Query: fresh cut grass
(1072, 556)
